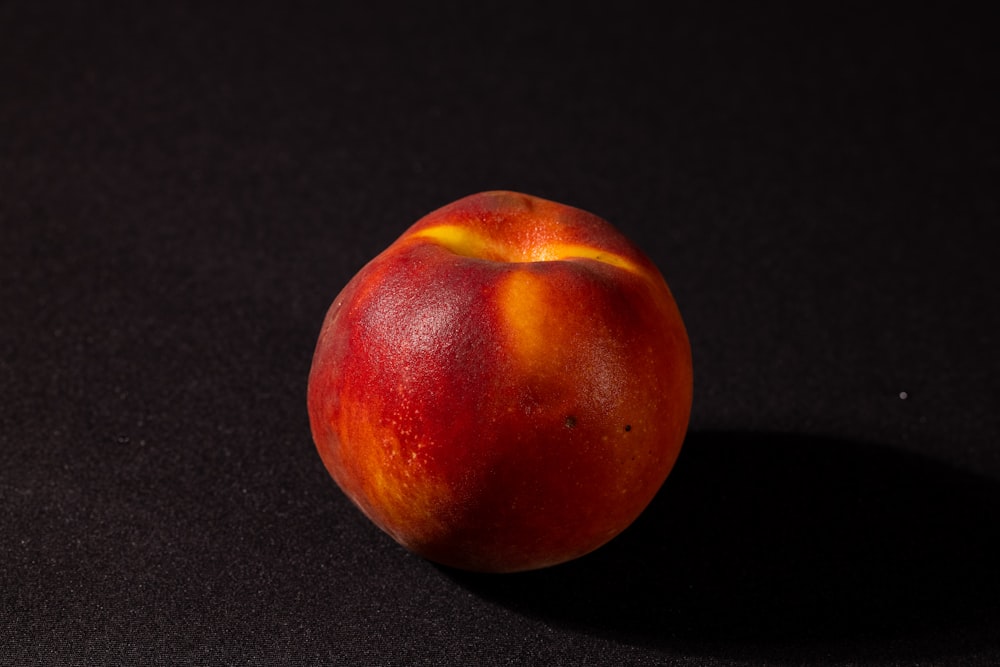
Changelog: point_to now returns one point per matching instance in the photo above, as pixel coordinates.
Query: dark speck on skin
(570, 421)
(628, 427)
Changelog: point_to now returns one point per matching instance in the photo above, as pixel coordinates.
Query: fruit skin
(505, 387)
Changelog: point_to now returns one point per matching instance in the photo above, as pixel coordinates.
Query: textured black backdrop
(184, 188)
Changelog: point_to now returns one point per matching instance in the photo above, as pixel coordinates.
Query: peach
(505, 387)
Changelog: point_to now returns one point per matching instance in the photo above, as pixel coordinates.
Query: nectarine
(505, 387)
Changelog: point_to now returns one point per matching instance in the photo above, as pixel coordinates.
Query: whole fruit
(505, 387)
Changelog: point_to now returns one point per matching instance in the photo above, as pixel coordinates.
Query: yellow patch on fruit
(395, 484)
(527, 314)
(561, 251)
(465, 242)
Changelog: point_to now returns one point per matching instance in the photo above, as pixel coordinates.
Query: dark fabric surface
(184, 189)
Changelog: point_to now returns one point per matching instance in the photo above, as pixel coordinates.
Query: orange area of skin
(397, 489)
(527, 317)
(552, 342)
(465, 242)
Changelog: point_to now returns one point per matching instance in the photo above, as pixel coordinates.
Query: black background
(184, 189)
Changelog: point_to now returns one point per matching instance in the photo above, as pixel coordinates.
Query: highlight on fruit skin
(505, 387)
